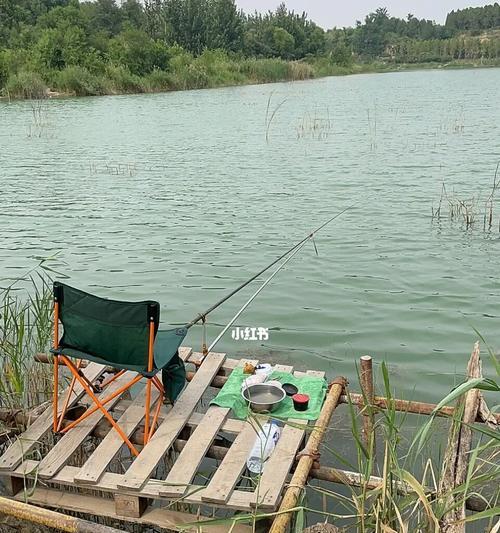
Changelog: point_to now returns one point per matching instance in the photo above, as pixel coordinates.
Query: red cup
(300, 402)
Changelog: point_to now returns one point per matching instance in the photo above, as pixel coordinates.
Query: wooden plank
(28, 440)
(273, 479)
(186, 465)
(316, 373)
(97, 463)
(230, 425)
(169, 429)
(277, 467)
(226, 476)
(185, 353)
(109, 483)
(283, 368)
(60, 454)
(161, 518)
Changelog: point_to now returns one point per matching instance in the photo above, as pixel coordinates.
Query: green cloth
(230, 395)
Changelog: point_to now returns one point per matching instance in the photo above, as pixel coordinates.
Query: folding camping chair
(122, 335)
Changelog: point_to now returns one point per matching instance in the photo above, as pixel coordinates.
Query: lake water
(180, 197)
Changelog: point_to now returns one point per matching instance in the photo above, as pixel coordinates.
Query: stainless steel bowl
(263, 397)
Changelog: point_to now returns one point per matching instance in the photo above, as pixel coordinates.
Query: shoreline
(335, 71)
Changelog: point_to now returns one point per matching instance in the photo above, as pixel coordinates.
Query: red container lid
(300, 398)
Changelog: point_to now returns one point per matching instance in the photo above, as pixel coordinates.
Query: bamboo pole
(366, 381)
(307, 457)
(45, 517)
(417, 408)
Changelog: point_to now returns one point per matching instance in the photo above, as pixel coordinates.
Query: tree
(225, 28)
(132, 14)
(135, 50)
(283, 43)
(104, 16)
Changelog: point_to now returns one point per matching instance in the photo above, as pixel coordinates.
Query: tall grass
(25, 84)
(25, 329)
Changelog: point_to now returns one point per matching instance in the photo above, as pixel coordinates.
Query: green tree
(283, 43)
(135, 50)
(104, 16)
(225, 27)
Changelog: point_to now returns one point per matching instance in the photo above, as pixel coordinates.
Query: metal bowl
(263, 397)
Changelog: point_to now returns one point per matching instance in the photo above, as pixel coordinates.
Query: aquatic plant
(467, 210)
(25, 329)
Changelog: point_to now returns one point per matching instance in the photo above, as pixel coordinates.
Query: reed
(25, 325)
(468, 211)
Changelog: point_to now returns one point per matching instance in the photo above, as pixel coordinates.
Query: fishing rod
(293, 251)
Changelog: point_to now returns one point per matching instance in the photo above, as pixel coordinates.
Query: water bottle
(263, 447)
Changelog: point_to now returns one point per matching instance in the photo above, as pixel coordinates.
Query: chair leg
(156, 415)
(104, 401)
(147, 411)
(106, 382)
(56, 392)
(95, 399)
(158, 384)
(67, 399)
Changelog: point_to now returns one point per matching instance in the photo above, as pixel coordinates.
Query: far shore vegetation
(50, 47)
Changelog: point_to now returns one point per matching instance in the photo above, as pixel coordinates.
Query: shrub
(79, 81)
(159, 80)
(121, 80)
(193, 76)
(25, 84)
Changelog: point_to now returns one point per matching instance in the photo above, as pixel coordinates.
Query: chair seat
(166, 345)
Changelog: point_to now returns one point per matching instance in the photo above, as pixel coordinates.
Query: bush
(79, 81)
(194, 76)
(121, 80)
(159, 80)
(25, 84)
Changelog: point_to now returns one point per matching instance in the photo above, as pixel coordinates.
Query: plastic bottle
(263, 447)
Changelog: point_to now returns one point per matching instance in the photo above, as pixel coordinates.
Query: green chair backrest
(112, 331)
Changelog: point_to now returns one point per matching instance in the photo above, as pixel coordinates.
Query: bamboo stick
(307, 457)
(405, 406)
(45, 517)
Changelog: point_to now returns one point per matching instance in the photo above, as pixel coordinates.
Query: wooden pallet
(147, 477)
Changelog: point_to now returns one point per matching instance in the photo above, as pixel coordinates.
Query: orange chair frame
(59, 424)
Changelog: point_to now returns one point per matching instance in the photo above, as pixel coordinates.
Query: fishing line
(290, 253)
(202, 316)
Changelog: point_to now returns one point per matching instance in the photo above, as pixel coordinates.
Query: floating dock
(170, 483)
